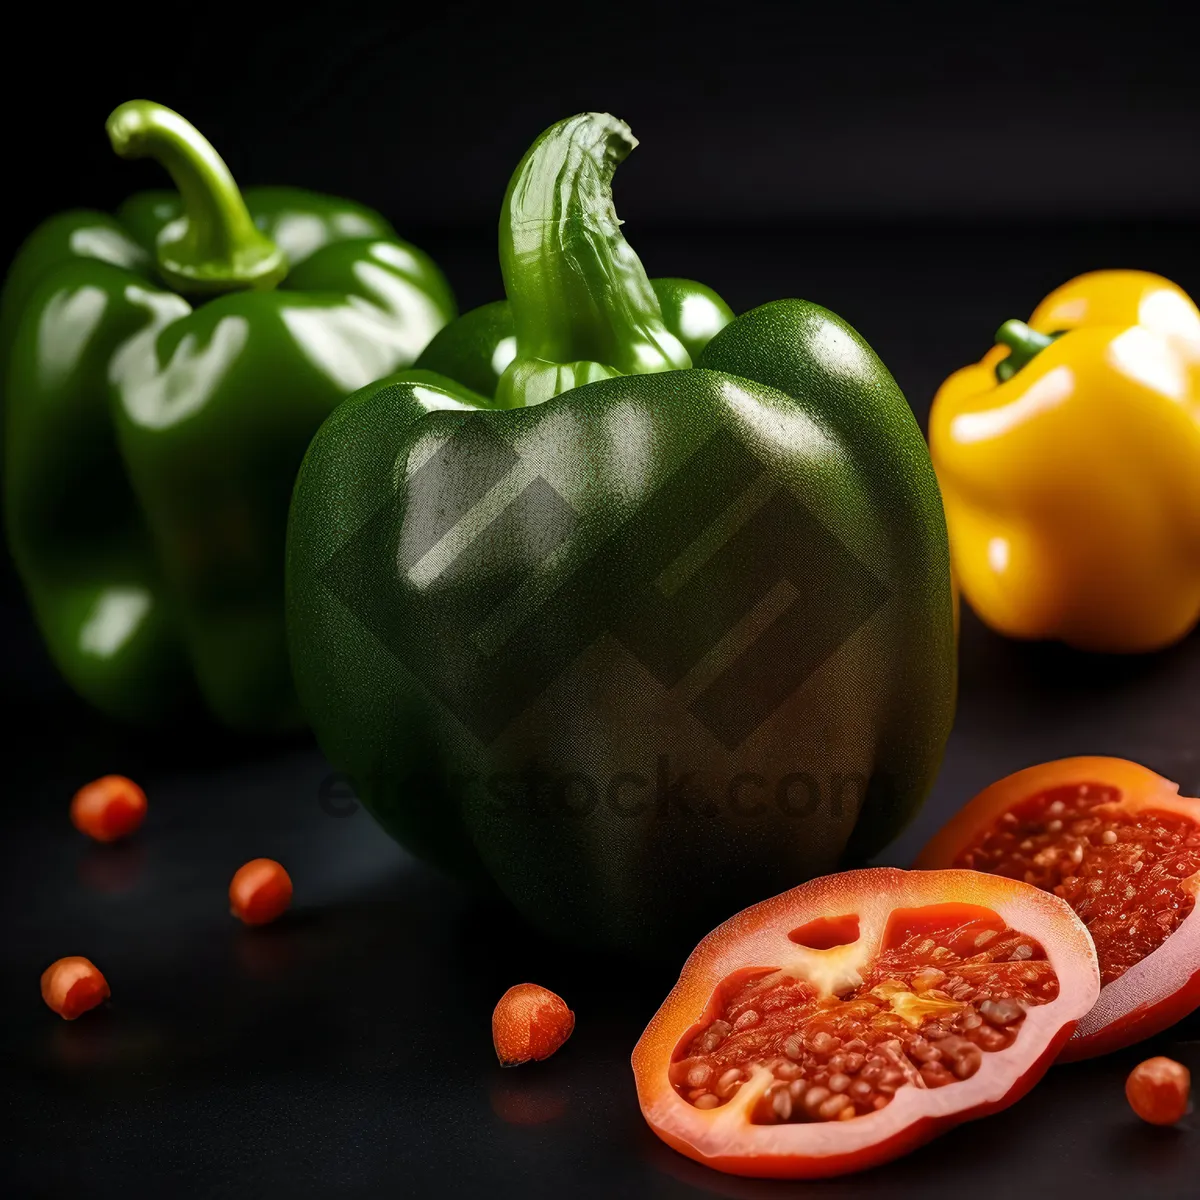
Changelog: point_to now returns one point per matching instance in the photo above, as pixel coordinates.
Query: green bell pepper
(645, 650)
(151, 446)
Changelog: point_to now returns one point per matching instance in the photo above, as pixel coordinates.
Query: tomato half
(1122, 847)
(843, 1023)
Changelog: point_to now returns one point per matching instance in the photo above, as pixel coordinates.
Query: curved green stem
(1024, 344)
(582, 304)
(214, 246)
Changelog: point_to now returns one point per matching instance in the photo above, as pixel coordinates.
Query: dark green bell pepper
(649, 649)
(164, 371)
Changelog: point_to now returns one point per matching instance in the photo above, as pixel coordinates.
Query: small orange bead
(260, 891)
(72, 985)
(1157, 1090)
(530, 1022)
(108, 808)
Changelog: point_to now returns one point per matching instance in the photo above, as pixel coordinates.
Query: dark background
(926, 171)
(750, 113)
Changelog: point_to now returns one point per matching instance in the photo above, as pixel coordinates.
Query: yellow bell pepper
(1069, 461)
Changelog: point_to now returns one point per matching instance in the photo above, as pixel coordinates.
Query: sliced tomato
(1122, 847)
(843, 1023)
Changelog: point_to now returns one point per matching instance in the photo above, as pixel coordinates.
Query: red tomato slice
(1122, 847)
(843, 1023)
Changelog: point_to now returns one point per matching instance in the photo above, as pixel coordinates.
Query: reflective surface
(346, 1052)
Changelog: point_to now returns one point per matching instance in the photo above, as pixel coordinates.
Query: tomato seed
(935, 1075)
(1002, 1012)
(824, 1043)
(1100, 867)
(922, 1051)
(832, 1107)
(967, 1062)
(834, 1057)
(729, 1083)
(988, 1038)
(927, 979)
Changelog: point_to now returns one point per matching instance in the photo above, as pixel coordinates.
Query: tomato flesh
(929, 1008)
(1120, 871)
(841, 1024)
(1122, 847)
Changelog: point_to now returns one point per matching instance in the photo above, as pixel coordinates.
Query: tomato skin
(1164, 987)
(72, 986)
(260, 891)
(1097, 1034)
(529, 1024)
(109, 808)
(1158, 1090)
(757, 937)
(911, 1138)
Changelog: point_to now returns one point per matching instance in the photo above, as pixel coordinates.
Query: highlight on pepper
(108, 808)
(260, 892)
(666, 474)
(73, 985)
(1068, 459)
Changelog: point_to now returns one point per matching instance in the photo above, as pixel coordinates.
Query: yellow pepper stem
(1024, 344)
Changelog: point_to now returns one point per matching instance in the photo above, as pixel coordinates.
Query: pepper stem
(1024, 344)
(582, 305)
(214, 246)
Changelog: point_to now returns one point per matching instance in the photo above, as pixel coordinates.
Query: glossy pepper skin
(574, 646)
(164, 372)
(1069, 460)
(476, 349)
(552, 313)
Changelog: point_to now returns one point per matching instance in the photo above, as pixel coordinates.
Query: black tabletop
(346, 1050)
